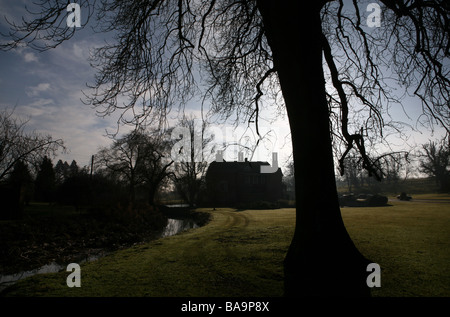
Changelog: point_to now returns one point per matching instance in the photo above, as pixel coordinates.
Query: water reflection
(8, 280)
(173, 227)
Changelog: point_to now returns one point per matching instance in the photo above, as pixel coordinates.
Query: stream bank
(56, 234)
(173, 227)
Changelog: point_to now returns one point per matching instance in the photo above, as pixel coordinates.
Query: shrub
(285, 203)
(377, 200)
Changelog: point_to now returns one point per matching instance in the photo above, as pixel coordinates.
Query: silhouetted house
(231, 183)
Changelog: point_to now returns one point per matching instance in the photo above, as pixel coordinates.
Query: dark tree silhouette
(138, 159)
(17, 144)
(45, 183)
(249, 52)
(190, 171)
(288, 177)
(61, 172)
(16, 192)
(155, 166)
(435, 162)
(73, 168)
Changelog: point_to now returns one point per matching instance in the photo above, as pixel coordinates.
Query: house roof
(235, 166)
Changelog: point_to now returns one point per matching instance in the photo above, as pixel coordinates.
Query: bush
(377, 200)
(127, 213)
(285, 203)
(9, 197)
(347, 200)
(363, 200)
(81, 191)
(404, 196)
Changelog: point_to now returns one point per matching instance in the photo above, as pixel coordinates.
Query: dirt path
(234, 219)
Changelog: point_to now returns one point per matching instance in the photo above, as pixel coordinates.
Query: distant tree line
(22, 154)
(431, 160)
(142, 163)
(435, 162)
(125, 176)
(138, 166)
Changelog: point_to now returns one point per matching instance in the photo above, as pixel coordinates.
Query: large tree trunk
(151, 194)
(322, 259)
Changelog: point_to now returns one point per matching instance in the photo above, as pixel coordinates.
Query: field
(240, 253)
(411, 243)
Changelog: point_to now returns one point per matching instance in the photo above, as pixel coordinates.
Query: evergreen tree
(73, 168)
(45, 183)
(61, 172)
(19, 190)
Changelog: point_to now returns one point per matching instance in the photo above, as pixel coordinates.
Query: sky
(47, 89)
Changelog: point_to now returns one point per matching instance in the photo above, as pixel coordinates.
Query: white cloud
(30, 57)
(25, 53)
(35, 109)
(82, 131)
(36, 90)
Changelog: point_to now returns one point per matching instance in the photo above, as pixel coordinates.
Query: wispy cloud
(26, 54)
(37, 90)
(30, 57)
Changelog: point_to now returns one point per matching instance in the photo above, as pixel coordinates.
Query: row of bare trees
(432, 160)
(139, 162)
(19, 144)
(23, 154)
(436, 162)
(142, 160)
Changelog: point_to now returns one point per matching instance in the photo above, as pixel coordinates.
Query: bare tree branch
(16, 144)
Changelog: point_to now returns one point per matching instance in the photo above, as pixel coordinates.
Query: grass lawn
(411, 243)
(241, 254)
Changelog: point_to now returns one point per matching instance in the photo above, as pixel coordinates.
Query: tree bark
(152, 194)
(322, 259)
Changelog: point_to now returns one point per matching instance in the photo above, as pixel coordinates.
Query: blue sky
(46, 87)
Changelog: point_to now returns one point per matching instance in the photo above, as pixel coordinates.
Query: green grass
(432, 196)
(241, 254)
(411, 243)
(237, 253)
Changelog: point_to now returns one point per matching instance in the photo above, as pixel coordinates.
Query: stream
(173, 227)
